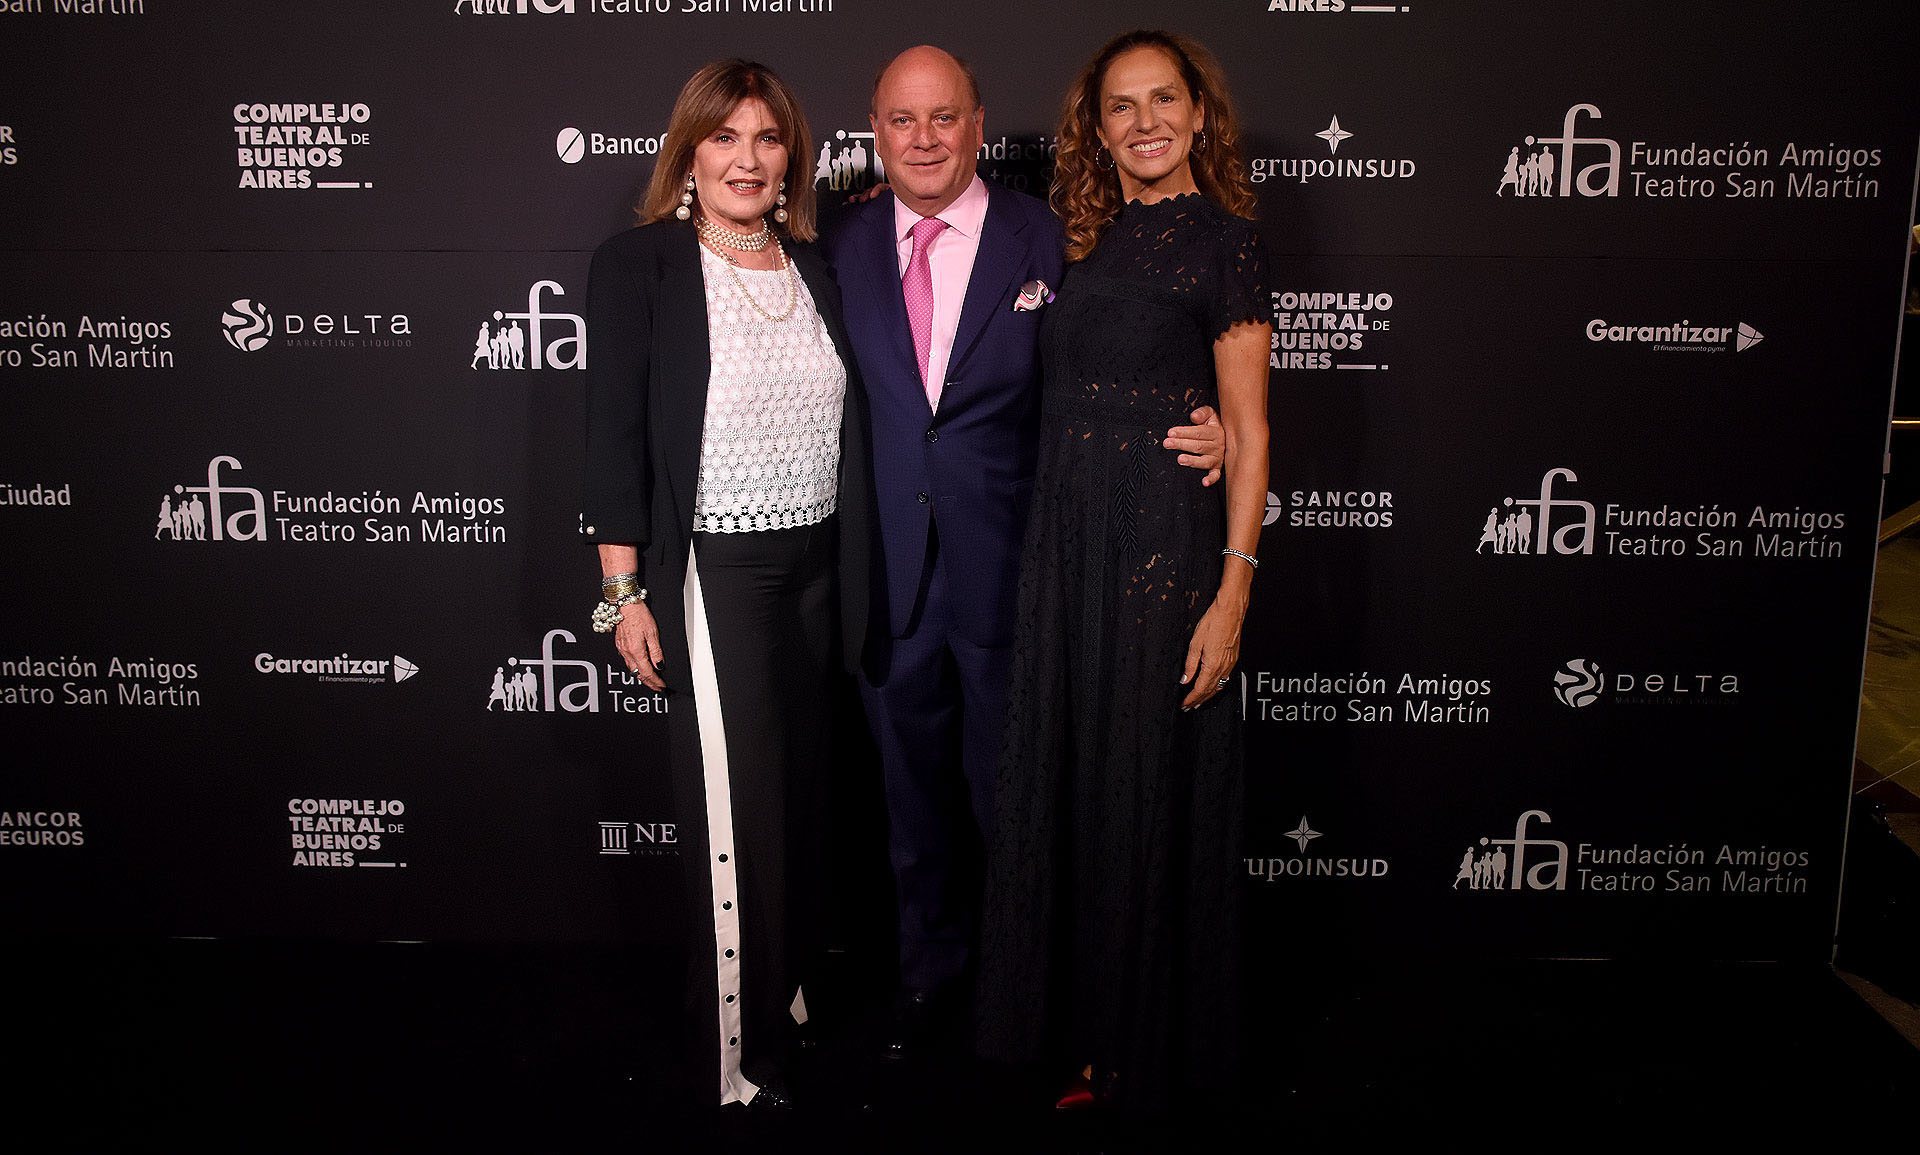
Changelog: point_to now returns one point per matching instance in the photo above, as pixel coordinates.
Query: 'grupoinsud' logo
(1300, 864)
(503, 344)
(1528, 526)
(1492, 868)
(248, 325)
(1578, 683)
(1550, 172)
(1332, 166)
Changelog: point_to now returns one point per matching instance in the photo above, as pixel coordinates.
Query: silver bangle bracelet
(1245, 557)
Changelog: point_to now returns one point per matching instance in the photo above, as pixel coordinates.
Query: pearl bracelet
(606, 615)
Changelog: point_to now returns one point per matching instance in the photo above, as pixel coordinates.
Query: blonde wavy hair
(1086, 195)
(710, 96)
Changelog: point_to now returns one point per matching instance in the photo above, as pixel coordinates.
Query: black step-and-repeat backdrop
(1587, 318)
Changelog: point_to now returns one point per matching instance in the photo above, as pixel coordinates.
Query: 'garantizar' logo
(1682, 336)
(248, 325)
(341, 667)
(1550, 172)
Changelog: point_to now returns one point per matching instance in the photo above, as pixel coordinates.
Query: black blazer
(647, 403)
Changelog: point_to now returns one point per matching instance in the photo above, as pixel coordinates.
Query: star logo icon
(1303, 834)
(1333, 135)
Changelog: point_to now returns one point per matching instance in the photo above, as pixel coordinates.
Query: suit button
(590, 530)
(933, 435)
(924, 499)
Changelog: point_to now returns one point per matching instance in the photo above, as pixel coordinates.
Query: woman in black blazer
(727, 493)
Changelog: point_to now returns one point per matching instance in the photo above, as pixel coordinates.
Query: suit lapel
(683, 337)
(995, 265)
(880, 265)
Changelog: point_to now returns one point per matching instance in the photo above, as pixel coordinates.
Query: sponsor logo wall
(1578, 385)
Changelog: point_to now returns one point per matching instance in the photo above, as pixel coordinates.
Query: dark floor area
(279, 1046)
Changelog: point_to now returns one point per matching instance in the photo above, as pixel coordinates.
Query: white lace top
(770, 448)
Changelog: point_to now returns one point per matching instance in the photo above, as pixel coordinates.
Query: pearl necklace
(721, 235)
(786, 264)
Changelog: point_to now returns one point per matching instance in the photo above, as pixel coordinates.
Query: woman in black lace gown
(1110, 937)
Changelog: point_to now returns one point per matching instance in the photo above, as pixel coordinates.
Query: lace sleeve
(1241, 291)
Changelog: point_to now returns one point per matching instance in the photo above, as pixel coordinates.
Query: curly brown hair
(1086, 194)
(710, 96)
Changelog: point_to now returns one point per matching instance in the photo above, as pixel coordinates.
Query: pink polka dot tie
(917, 287)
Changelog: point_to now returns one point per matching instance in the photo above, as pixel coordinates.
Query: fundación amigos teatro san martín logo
(522, 690)
(1550, 174)
(1570, 165)
(848, 162)
(504, 344)
(1528, 526)
(1491, 867)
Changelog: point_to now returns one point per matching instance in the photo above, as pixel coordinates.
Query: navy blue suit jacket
(970, 465)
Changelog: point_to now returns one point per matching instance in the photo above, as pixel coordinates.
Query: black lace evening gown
(1110, 928)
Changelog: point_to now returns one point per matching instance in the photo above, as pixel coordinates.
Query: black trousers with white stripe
(749, 754)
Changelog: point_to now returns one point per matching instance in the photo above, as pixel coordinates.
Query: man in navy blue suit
(929, 275)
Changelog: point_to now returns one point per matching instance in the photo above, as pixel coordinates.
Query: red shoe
(1079, 1092)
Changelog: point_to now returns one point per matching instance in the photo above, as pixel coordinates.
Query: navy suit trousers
(935, 702)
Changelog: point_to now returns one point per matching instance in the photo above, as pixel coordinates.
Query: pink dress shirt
(950, 260)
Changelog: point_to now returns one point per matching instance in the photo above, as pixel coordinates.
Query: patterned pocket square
(1033, 294)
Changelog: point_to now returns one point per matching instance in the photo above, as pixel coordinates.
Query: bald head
(927, 127)
(925, 56)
